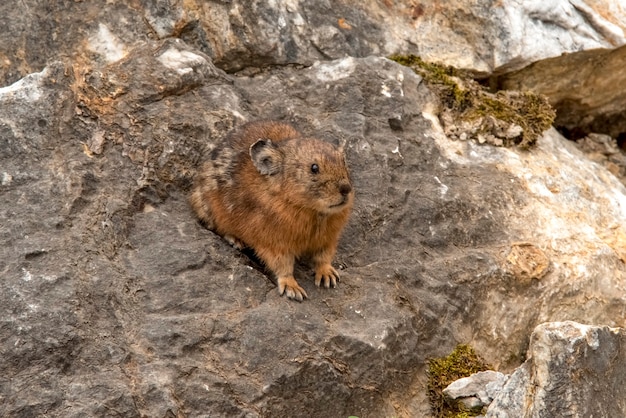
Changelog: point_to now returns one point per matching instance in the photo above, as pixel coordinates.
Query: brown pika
(283, 195)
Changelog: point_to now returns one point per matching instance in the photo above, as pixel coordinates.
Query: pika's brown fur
(283, 195)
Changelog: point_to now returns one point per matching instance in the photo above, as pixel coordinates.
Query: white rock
(106, 44)
(572, 370)
(481, 385)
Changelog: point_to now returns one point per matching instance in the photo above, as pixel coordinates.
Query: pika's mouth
(344, 200)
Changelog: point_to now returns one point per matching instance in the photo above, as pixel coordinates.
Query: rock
(604, 150)
(581, 87)
(470, 111)
(492, 389)
(471, 403)
(105, 266)
(84, 33)
(572, 370)
(526, 262)
(481, 387)
(114, 300)
(238, 34)
(470, 35)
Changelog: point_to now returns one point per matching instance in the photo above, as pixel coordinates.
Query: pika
(283, 195)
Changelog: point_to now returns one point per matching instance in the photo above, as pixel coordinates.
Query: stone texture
(482, 36)
(114, 297)
(604, 150)
(487, 38)
(113, 300)
(583, 89)
(572, 370)
(483, 386)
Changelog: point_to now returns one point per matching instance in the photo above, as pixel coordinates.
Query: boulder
(483, 37)
(577, 40)
(480, 36)
(572, 370)
(477, 390)
(114, 300)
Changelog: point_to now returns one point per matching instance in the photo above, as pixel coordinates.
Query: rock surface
(484, 37)
(481, 387)
(582, 87)
(113, 300)
(573, 370)
(481, 36)
(605, 151)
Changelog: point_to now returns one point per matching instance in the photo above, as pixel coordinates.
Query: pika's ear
(266, 157)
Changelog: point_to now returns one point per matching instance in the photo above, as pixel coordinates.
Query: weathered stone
(113, 300)
(572, 370)
(604, 150)
(583, 89)
(479, 36)
(471, 403)
(482, 385)
(526, 262)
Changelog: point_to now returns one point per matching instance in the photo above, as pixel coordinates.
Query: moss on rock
(505, 118)
(462, 362)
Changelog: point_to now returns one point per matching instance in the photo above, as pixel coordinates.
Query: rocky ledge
(114, 301)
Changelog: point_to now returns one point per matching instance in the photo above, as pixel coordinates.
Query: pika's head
(307, 172)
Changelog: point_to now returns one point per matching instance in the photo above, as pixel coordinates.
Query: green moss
(470, 101)
(443, 76)
(462, 362)
(432, 71)
(528, 110)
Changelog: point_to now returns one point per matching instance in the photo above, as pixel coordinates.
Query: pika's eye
(315, 168)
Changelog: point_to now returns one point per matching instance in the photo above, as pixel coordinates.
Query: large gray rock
(484, 37)
(480, 36)
(573, 370)
(113, 298)
(487, 38)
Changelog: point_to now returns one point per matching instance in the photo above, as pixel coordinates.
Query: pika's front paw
(327, 275)
(236, 243)
(290, 286)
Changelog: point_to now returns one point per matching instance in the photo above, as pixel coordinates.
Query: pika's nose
(345, 189)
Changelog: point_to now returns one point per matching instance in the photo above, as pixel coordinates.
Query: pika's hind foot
(327, 275)
(289, 286)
